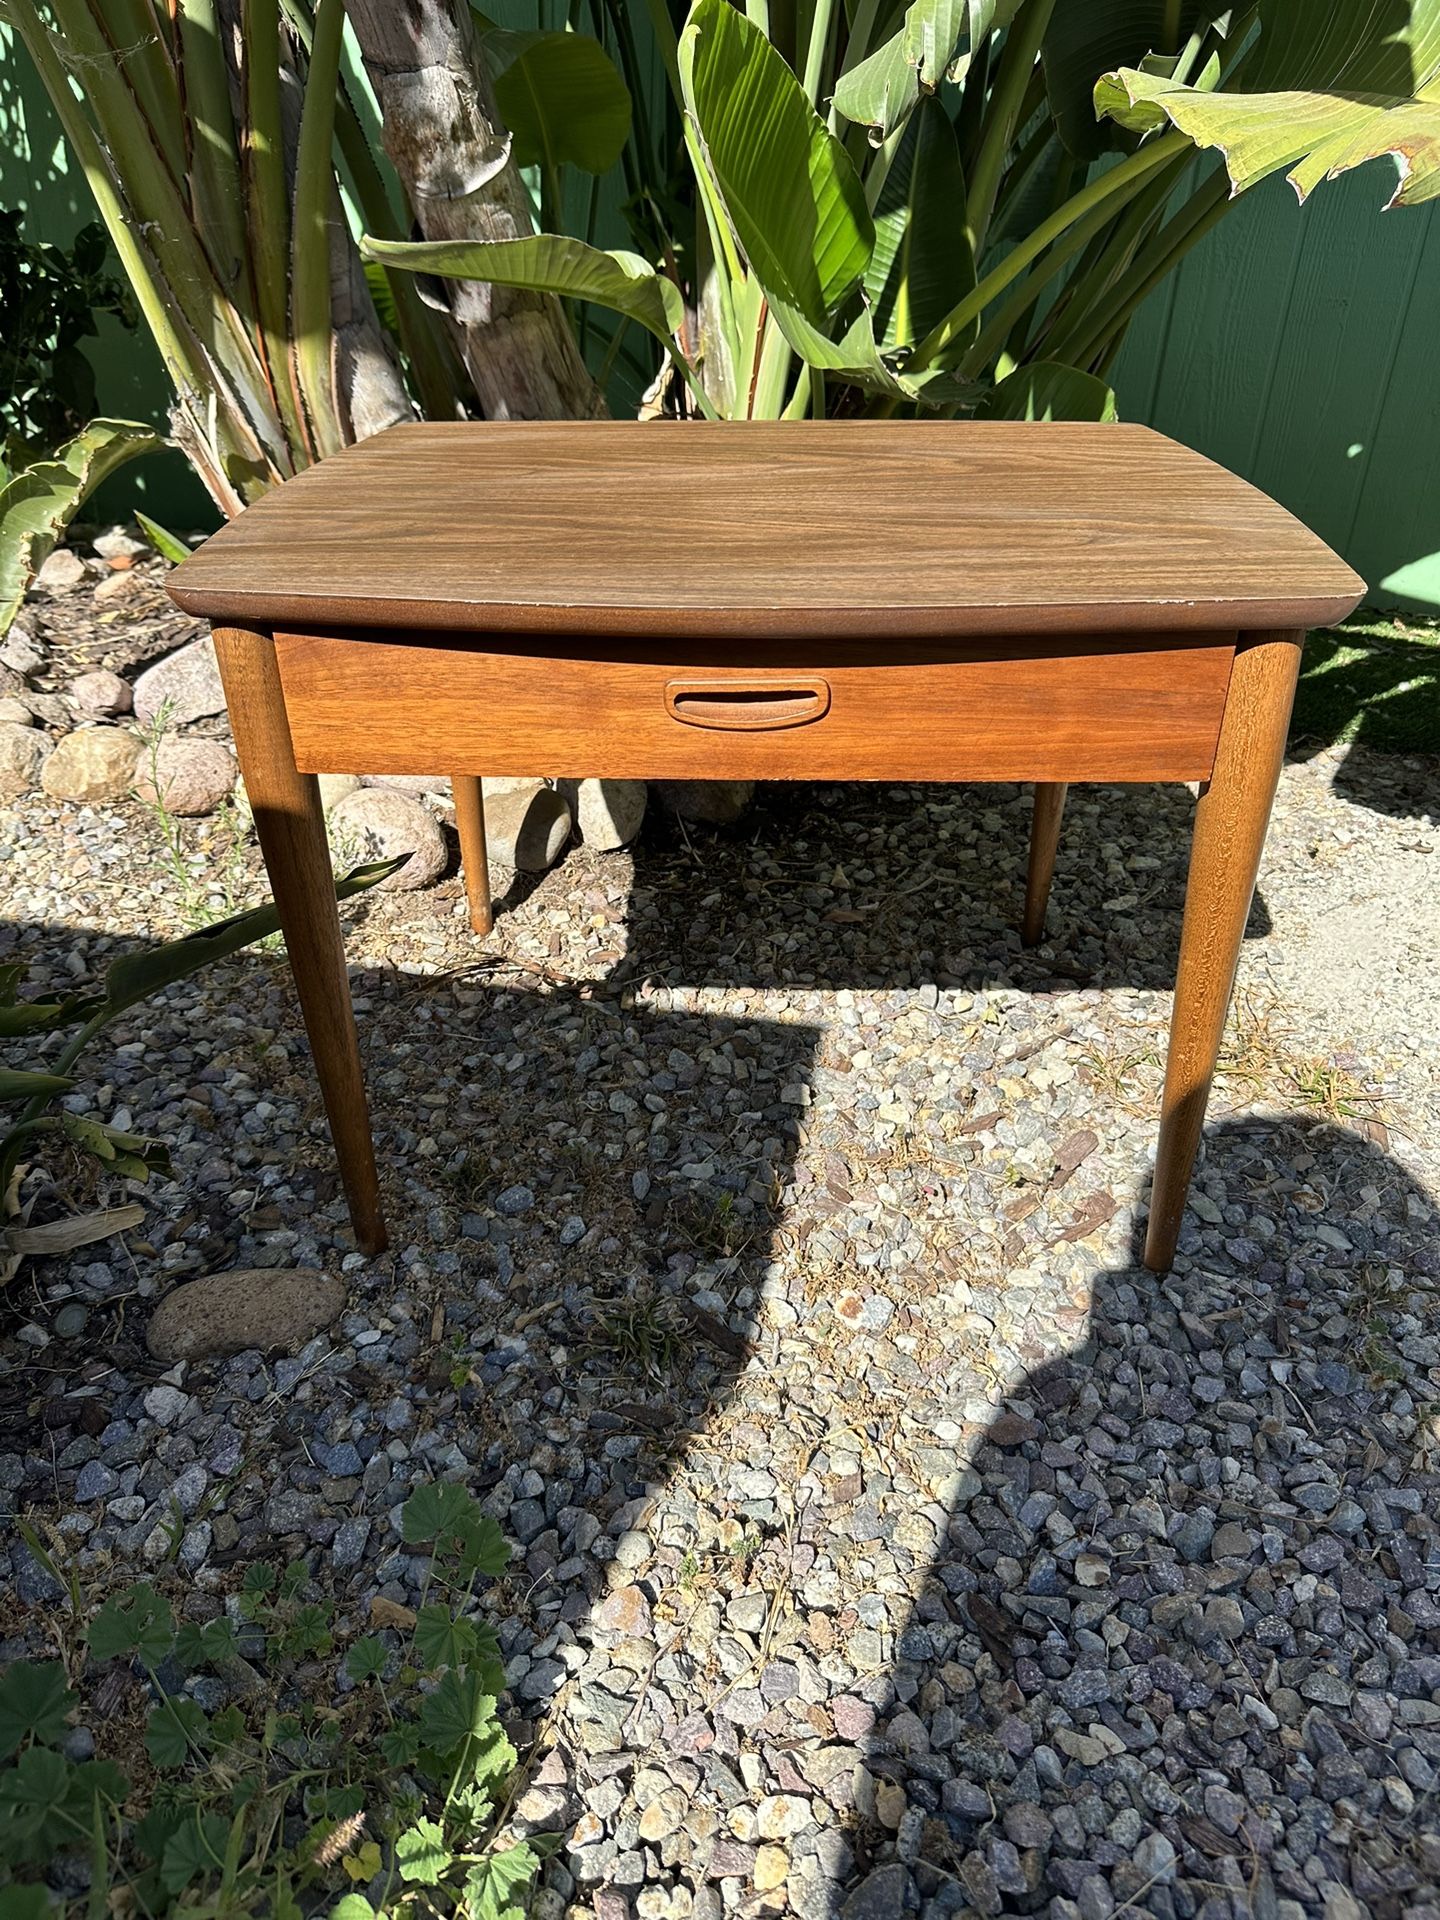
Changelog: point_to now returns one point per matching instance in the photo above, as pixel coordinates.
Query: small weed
(643, 1334)
(713, 1227)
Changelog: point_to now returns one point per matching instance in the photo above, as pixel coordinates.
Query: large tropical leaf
(560, 95)
(39, 502)
(1044, 390)
(1084, 41)
(936, 37)
(546, 263)
(922, 265)
(791, 193)
(1329, 87)
(856, 360)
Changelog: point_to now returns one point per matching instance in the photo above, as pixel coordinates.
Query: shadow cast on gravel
(1179, 1648)
(806, 890)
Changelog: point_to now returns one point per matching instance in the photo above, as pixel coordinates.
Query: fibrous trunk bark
(449, 147)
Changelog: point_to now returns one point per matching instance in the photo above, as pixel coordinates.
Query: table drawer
(1133, 708)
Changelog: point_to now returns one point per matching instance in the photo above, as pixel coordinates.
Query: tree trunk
(446, 141)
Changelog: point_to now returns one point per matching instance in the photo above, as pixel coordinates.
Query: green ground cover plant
(348, 1774)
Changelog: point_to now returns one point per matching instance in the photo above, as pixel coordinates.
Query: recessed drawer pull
(734, 707)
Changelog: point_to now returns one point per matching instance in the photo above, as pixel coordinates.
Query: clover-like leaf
(400, 1745)
(33, 1795)
(458, 1710)
(492, 1886)
(173, 1729)
(194, 1850)
(421, 1853)
(352, 1906)
(448, 1517)
(203, 1646)
(441, 1639)
(367, 1659)
(34, 1701)
(138, 1621)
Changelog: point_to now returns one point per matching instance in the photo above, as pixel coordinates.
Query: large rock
(13, 712)
(23, 753)
(187, 776)
(92, 764)
(100, 694)
(718, 801)
(60, 570)
(375, 824)
(186, 684)
(413, 783)
(607, 812)
(262, 1307)
(20, 650)
(335, 786)
(526, 827)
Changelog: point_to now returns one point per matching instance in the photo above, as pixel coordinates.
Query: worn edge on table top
(1333, 594)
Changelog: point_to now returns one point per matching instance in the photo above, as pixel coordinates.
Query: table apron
(1133, 707)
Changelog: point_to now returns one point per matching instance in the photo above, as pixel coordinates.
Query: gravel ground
(764, 1223)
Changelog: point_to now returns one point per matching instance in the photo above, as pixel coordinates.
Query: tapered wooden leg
(469, 798)
(1230, 824)
(1044, 842)
(286, 805)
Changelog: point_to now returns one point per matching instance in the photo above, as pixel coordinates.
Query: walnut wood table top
(884, 530)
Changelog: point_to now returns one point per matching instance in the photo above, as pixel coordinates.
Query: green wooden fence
(1297, 346)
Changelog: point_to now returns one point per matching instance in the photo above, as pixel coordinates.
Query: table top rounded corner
(768, 529)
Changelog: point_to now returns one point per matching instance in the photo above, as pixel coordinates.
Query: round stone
(92, 765)
(264, 1308)
(376, 824)
(186, 776)
(100, 694)
(23, 753)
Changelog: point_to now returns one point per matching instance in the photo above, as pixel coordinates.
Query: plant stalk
(1017, 65)
(1126, 180)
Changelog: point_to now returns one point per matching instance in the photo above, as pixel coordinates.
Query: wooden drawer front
(1133, 709)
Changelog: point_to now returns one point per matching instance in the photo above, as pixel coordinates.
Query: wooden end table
(830, 600)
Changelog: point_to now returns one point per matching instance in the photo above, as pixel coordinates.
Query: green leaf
(352, 1906)
(490, 1886)
(421, 1853)
(34, 1701)
(367, 1659)
(856, 358)
(1044, 390)
(168, 545)
(458, 1710)
(1084, 41)
(547, 263)
(400, 1745)
(33, 1799)
(127, 1153)
(137, 1621)
(792, 195)
(442, 1640)
(922, 265)
(39, 502)
(1327, 88)
(197, 1646)
(16, 1086)
(446, 1516)
(45, 1016)
(172, 1728)
(561, 96)
(194, 1850)
(28, 1902)
(936, 37)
